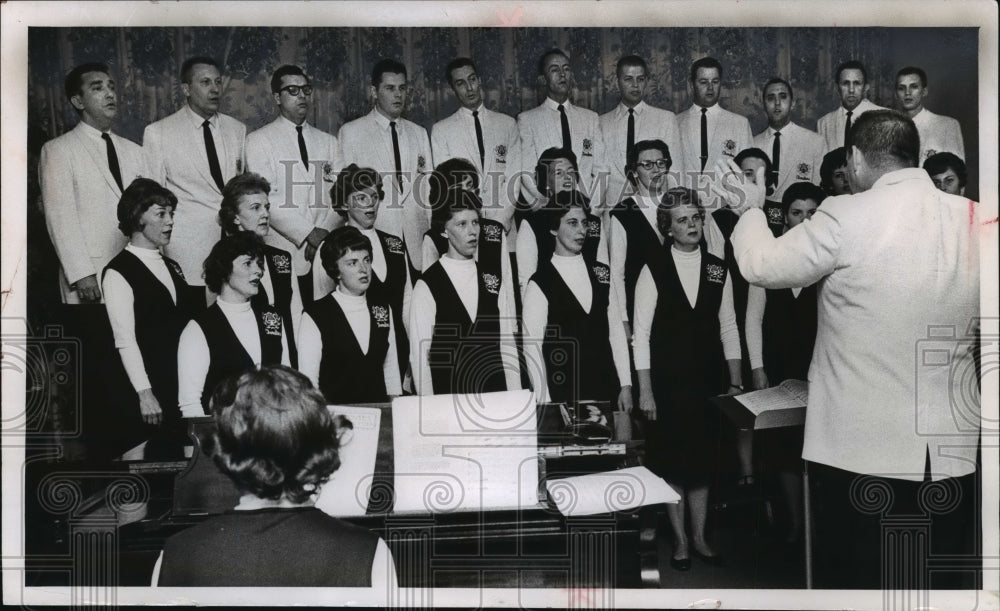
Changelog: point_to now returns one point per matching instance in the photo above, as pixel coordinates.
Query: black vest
(299, 546)
(539, 224)
(576, 347)
(391, 290)
(789, 330)
(279, 269)
(684, 343)
(158, 323)
(227, 354)
(347, 375)
(643, 248)
(464, 355)
(775, 217)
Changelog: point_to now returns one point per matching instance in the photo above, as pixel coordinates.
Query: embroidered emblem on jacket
(272, 323)
(588, 147)
(421, 163)
(501, 151)
(715, 273)
(602, 273)
(492, 283)
(804, 171)
(730, 148)
(381, 316)
(492, 233)
(394, 244)
(282, 263)
(929, 153)
(328, 175)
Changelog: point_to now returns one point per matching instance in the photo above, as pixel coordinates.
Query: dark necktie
(479, 139)
(630, 136)
(116, 170)
(704, 137)
(213, 157)
(847, 131)
(775, 156)
(302, 147)
(395, 155)
(567, 139)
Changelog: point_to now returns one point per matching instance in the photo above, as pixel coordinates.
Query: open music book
(781, 405)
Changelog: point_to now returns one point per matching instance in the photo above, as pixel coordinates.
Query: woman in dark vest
(148, 304)
(557, 171)
(347, 346)
(245, 207)
(574, 341)
(685, 327)
(781, 333)
(233, 334)
(279, 444)
(462, 316)
(455, 173)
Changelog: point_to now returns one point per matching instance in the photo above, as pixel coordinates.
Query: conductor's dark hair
(545, 159)
(850, 65)
(705, 62)
(341, 241)
(283, 71)
(350, 180)
(545, 57)
(386, 66)
(274, 436)
(801, 190)
(188, 66)
(238, 186)
(940, 163)
(557, 207)
(141, 195)
(675, 198)
(887, 138)
(219, 263)
(630, 60)
(775, 81)
(632, 160)
(455, 64)
(452, 202)
(73, 85)
(837, 158)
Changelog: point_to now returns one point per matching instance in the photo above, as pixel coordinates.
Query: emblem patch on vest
(588, 148)
(729, 148)
(715, 273)
(272, 323)
(804, 172)
(775, 216)
(501, 152)
(492, 283)
(394, 244)
(282, 264)
(593, 229)
(602, 274)
(492, 233)
(381, 316)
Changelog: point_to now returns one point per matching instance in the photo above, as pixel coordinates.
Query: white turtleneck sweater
(573, 270)
(688, 266)
(193, 357)
(423, 312)
(355, 307)
(120, 301)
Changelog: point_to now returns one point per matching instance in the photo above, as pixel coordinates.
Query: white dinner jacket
(831, 125)
(728, 134)
(651, 123)
(801, 155)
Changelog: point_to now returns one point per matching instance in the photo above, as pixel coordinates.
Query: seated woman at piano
(347, 343)
(279, 444)
(462, 315)
(148, 304)
(685, 332)
(575, 346)
(234, 334)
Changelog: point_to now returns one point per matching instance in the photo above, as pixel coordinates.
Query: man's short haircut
(908, 70)
(801, 190)
(886, 138)
(386, 66)
(545, 159)
(283, 71)
(448, 175)
(545, 57)
(219, 263)
(341, 241)
(775, 81)
(756, 153)
(705, 62)
(629, 61)
(248, 183)
(632, 160)
(455, 64)
(139, 197)
(188, 66)
(73, 85)
(350, 180)
(274, 436)
(939, 163)
(675, 198)
(452, 202)
(564, 201)
(837, 158)
(852, 64)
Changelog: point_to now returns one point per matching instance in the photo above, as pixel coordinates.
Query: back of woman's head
(275, 437)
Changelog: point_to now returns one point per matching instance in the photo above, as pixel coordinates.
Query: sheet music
(465, 452)
(609, 491)
(790, 394)
(346, 494)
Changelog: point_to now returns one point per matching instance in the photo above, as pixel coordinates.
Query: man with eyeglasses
(301, 163)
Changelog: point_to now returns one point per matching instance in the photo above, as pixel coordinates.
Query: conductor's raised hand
(735, 190)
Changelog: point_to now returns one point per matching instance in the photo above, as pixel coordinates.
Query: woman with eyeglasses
(685, 326)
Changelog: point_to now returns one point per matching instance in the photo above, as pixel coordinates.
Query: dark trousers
(886, 533)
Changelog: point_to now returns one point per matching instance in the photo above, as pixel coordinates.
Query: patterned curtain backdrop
(146, 63)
